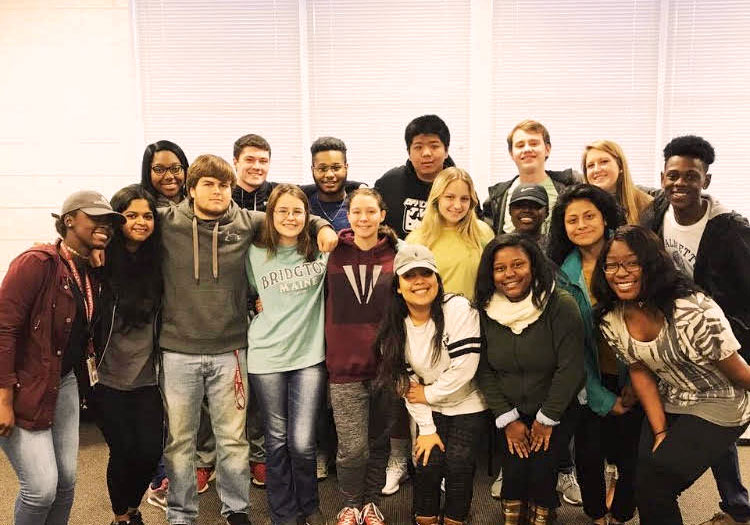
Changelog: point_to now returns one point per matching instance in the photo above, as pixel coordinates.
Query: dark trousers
(534, 479)
(734, 499)
(460, 435)
(132, 423)
(692, 445)
(610, 437)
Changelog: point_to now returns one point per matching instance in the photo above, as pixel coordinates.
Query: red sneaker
(259, 474)
(204, 475)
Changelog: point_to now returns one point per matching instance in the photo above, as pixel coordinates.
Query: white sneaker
(567, 486)
(395, 474)
(497, 486)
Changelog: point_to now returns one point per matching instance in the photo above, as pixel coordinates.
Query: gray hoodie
(204, 309)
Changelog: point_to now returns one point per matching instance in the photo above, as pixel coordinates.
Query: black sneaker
(238, 518)
(136, 518)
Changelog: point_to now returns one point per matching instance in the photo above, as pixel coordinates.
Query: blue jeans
(45, 462)
(185, 379)
(734, 500)
(290, 402)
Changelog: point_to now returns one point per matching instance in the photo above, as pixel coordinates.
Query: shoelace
(349, 515)
(371, 515)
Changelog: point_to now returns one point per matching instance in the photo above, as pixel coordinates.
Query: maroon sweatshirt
(358, 290)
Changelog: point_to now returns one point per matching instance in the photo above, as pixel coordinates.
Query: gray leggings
(363, 417)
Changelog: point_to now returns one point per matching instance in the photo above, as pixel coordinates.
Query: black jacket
(255, 200)
(493, 210)
(405, 195)
(722, 264)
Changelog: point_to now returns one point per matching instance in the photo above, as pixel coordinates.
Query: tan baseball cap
(413, 256)
(90, 203)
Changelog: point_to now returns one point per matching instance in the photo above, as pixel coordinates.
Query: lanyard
(84, 287)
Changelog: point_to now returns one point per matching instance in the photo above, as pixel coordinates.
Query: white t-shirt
(681, 242)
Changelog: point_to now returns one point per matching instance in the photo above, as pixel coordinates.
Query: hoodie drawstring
(214, 251)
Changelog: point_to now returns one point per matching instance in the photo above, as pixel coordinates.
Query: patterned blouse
(683, 357)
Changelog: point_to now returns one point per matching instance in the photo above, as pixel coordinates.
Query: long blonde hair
(625, 190)
(433, 223)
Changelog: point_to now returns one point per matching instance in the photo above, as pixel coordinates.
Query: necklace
(71, 250)
(338, 210)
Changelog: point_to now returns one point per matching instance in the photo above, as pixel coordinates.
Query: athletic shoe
(259, 474)
(722, 518)
(204, 475)
(497, 486)
(238, 518)
(395, 474)
(371, 515)
(136, 518)
(567, 486)
(158, 496)
(348, 516)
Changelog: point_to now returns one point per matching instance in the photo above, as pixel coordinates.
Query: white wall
(69, 111)
(85, 84)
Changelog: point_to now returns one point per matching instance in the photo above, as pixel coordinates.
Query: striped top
(684, 358)
(450, 387)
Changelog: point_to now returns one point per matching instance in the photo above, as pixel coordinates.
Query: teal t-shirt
(288, 334)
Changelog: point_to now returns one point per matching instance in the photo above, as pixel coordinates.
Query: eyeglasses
(174, 169)
(323, 168)
(611, 268)
(283, 212)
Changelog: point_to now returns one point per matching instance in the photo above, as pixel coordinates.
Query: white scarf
(515, 315)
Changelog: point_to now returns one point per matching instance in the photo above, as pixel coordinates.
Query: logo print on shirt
(361, 291)
(413, 213)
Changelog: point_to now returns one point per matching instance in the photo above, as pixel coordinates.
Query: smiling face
(139, 223)
(602, 170)
(211, 197)
(623, 272)
(88, 232)
(418, 287)
(511, 272)
(252, 167)
(529, 152)
(329, 171)
(683, 180)
(365, 216)
(527, 216)
(167, 183)
(427, 153)
(455, 202)
(289, 219)
(584, 223)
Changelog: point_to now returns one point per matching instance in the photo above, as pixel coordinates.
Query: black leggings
(460, 435)
(132, 423)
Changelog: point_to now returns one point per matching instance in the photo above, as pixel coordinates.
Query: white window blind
(374, 66)
(214, 71)
(586, 69)
(707, 73)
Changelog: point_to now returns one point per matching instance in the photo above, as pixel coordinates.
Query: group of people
(218, 323)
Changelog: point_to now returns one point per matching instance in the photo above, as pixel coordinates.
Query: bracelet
(662, 432)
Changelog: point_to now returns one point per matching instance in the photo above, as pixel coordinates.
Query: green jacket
(599, 398)
(540, 368)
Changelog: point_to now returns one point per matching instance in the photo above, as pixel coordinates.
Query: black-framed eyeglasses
(174, 169)
(611, 268)
(324, 168)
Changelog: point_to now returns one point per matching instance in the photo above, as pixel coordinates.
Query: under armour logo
(362, 291)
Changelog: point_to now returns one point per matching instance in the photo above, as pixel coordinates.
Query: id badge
(93, 374)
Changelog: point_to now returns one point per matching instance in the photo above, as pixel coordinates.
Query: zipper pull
(36, 325)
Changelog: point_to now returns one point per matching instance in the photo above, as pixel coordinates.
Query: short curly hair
(690, 146)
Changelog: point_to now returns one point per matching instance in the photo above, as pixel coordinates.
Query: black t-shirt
(79, 332)
(406, 197)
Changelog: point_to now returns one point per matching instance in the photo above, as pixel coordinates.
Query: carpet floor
(91, 505)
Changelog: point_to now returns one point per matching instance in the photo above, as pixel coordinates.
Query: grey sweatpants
(363, 417)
